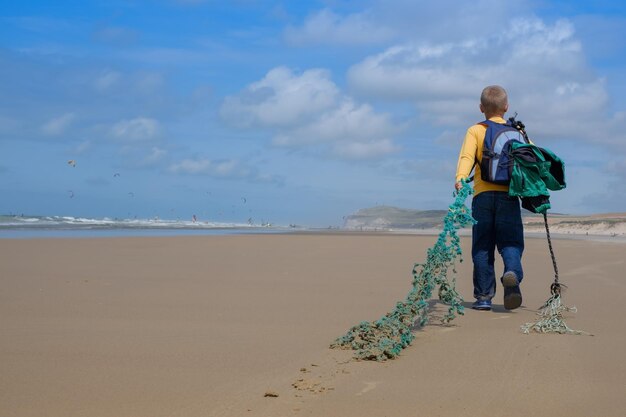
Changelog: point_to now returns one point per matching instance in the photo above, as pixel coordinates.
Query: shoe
(482, 305)
(512, 293)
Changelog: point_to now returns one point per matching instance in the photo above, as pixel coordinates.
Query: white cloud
(352, 131)
(136, 130)
(58, 125)
(382, 21)
(412, 71)
(83, 147)
(542, 66)
(132, 85)
(154, 156)
(216, 168)
(346, 121)
(281, 99)
(522, 50)
(106, 80)
(326, 27)
(308, 110)
(190, 166)
(220, 168)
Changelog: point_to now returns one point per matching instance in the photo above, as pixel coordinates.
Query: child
(498, 216)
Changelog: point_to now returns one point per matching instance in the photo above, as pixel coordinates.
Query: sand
(240, 326)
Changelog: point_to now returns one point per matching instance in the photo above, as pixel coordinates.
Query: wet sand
(210, 325)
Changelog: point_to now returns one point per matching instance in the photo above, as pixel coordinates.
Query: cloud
(220, 168)
(352, 131)
(106, 80)
(142, 155)
(382, 21)
(136, 130)
(326, 27)
(155, 156)
(449, 70)
(281, 99)
(541, 65)
(345, 121)
(83, 147)
(217, 168)
(114, 84)
(308, 110)
(58, 125)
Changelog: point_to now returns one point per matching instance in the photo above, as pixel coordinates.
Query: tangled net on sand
(551, 317)
(386, 337)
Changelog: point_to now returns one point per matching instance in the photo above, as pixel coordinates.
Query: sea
(23, 227)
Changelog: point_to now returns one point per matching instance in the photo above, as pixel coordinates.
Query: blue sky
(295, 111)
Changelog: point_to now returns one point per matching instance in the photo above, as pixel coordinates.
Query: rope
(551, 312)
(551, 318)
(386, 337)
(555, 288)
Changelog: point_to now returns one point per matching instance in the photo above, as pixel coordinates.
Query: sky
(296, 112)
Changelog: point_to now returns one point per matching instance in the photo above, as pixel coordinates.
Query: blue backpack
(496, 164)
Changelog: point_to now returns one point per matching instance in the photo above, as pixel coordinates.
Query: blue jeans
(499, 225)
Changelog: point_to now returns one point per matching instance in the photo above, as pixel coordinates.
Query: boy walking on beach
(498, 216)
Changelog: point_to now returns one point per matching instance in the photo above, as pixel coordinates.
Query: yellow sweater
(471, 151)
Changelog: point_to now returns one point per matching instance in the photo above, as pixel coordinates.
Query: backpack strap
(476, 161)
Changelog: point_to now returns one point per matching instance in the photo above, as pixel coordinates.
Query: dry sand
(207, 326)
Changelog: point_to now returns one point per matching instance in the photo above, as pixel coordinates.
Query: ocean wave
(70, 222)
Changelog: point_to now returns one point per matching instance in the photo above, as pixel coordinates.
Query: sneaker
(512, 293)
(482, 305)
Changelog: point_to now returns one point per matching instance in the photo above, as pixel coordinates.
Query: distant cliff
(389, 218)
(386, 217)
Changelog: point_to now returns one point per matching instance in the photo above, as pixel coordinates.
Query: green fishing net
(386, 337)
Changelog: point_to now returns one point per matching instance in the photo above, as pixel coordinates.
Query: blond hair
(494, 100)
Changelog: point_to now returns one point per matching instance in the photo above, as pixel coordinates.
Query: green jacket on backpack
(535, 171)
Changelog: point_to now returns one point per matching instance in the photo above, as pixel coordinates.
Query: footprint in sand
(368, 387)
(312, 385)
